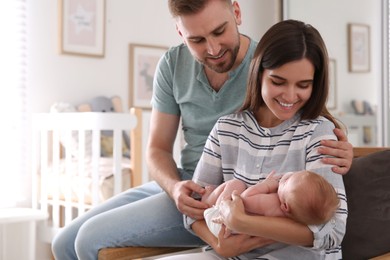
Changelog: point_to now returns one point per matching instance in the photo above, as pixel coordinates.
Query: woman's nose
(290, 94)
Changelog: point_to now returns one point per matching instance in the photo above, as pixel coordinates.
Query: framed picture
(82, 27)
(332, 95)
(359, 47)
(143, 62)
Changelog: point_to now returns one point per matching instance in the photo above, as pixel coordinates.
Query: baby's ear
(285, 208)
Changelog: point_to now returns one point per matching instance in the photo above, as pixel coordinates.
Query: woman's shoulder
(319, 121)
(238, 122)
(320, 126)
(242, 116)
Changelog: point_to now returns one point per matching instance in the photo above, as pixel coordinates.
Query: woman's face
(285, 90)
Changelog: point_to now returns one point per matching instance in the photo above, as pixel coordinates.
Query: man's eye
(196, 40)
(219, 32)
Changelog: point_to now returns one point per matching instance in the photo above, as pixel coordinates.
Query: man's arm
(162, 167)
(341, 150)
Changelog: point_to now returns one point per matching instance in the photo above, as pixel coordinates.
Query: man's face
(212, 35)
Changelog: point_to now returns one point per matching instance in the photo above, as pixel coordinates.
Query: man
(197, 81)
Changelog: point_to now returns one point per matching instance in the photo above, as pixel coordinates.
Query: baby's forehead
(301, 176)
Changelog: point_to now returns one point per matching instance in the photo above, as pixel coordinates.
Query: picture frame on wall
(359, 47)
(142, 66)
(82, 27)
(332, 95)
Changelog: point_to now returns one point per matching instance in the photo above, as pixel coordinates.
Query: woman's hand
(231, 212)
(237, 244)
(187, 205)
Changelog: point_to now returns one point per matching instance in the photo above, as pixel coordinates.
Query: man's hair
(186, 7)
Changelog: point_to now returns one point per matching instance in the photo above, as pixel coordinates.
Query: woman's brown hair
(284, 42)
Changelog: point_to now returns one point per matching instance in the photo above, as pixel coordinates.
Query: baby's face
(287, 183)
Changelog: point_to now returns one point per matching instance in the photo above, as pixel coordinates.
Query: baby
(303, 196)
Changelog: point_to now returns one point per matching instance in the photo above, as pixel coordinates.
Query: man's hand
(185, 203)
(341, 150)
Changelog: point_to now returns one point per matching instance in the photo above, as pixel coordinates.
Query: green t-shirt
(181, 88)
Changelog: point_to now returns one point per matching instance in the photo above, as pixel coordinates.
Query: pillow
(107, 146)
(73, 145)
(106, 149)
(367, 186)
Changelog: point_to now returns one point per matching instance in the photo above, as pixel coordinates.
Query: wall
(54, 77)
(331, 17)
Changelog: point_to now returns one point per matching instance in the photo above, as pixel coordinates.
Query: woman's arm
(280, 229)
(233, 245)
(329, 235)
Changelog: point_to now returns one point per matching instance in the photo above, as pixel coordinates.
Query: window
(13, 130)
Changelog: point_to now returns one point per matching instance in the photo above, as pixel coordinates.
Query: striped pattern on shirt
(238, 147)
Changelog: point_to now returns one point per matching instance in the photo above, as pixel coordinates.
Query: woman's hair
(284, 42)
(186, 7)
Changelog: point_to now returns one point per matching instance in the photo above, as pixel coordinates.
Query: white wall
(54, 77)
(331, 17)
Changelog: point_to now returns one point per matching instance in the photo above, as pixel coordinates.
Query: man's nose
(213, 47)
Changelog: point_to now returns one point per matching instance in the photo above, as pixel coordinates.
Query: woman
(279, 127)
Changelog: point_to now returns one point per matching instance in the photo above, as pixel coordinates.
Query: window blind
(13, 130)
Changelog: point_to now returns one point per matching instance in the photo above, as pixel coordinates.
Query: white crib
(69, 177)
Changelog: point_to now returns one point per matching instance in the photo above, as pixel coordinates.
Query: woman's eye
(304, 85)
(277, 83)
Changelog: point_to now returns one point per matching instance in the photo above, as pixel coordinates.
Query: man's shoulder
(179, 50)
(179, 54)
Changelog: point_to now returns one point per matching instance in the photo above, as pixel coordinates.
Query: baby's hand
(273, 176)
(272, 181)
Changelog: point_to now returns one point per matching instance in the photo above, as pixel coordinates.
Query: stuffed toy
(107, 105)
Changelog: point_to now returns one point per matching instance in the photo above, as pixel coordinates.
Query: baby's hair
(314, 200)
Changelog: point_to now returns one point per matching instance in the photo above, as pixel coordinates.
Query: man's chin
(219, 68)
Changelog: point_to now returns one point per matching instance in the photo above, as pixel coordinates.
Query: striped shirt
(238, 147)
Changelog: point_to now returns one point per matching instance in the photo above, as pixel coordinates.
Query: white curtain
(13, 130)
